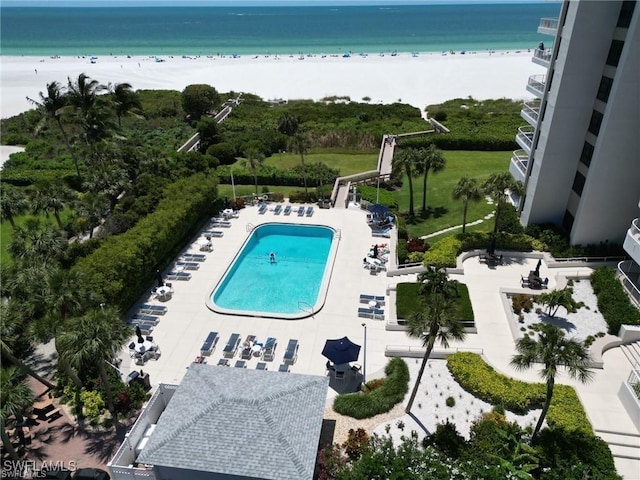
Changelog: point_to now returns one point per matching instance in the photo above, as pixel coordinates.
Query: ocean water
(270, 30)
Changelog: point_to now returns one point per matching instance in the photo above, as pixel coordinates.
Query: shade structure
(379, 210)
(341, 350)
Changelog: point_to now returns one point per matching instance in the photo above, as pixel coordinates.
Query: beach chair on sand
(291, 354)
(231, 347)
(300, 211)
(269, 350)
(209, 344)
(287, 210)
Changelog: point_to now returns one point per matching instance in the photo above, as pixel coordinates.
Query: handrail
(537, 82)
(520, 160)
(250, 227)
(550, 23)
(589, 259)
(526, 136)
(635, 225)
(543, 54)
(533, 112)
(622, 269)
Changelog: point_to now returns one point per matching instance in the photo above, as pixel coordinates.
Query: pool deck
(185, 326)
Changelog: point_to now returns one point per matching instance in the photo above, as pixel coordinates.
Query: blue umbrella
(378, 210)
(341, 350)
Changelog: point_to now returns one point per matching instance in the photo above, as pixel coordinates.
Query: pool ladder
(250, 227)
(308, 305)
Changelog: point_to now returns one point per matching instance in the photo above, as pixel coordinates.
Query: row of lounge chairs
(145, 322)
(251, 348)
(193, 257)
(301, 210)
(379, 299)
(373, 309)
(374, 313)
(219, 222)
(224, 362)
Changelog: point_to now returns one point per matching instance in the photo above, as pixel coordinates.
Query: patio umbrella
(159, 278)
(538, 267)
(341, 350)
(379, 210)
(139, 334)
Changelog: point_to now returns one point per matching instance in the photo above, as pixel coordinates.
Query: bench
(53, 415)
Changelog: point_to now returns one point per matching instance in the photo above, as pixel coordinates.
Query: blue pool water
(289, 287)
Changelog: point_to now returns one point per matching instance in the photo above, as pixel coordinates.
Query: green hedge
(613, 301)
(124, 265)
(481, 380)
(409, 301)
(382, 399)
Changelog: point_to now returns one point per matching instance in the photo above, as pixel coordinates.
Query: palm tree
(90, 207)
(467, 190)
(37, 242)
(288, 124)
(433, 324)
(12, 203)
(125, 101)
(82, 93)
(253, 159)
(51, 197)
(429, 160)
(90, 340)
(300, 143)
(558, 298)
(552, 350)
(53, 107)
(15, 398)
(496, 186)
(405, 161)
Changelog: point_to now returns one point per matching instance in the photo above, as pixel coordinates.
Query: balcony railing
(536, 84)
(630, 272)
(542, 55)
(548, 26)
(520, 158)
(635, 228)
(531, 112)
(525, 137)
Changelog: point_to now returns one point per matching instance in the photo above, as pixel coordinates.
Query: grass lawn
(409, 302)
(345, 163)
(241, 190)
(442, 210)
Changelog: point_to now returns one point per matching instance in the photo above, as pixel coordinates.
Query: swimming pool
(291, 283)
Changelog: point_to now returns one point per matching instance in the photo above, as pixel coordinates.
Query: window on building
(626, 12)
(587, 153)
(596, 121)
(604, 89)
(567, 221)
(578, 183)
(614, 52)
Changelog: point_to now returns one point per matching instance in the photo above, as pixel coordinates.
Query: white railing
(548, 23)
(520, 159)
(634, 382)
(627, 267)
(525, 134)
(537, 82)
(532, 111)
(635, 227)
(543, 54)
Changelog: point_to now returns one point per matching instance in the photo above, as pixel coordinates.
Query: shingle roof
(237, 421)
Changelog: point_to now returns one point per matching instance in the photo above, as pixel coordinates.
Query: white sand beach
(426, 79)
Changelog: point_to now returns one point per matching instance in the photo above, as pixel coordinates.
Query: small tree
(558, 298)
(199, 99)
(429, 159)
(467, 190)
(405, 162)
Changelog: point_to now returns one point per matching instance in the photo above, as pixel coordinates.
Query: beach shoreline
(416, 79)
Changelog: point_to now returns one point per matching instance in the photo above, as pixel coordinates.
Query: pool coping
(322, 291)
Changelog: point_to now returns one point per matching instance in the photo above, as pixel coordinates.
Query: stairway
(622, 445)
(632, 352)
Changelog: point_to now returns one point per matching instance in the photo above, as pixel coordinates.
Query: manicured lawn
(241, 190)
(442, 210)
(345, 163)
(409, 302)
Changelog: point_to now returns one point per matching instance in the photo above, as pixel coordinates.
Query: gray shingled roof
(238, 421)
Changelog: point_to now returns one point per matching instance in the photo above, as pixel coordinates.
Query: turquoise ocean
(270, 30)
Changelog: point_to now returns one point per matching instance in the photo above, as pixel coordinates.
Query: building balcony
(531, 113)
(524, 138)
(542, 57)
(536, 85)
(518, 165)
(630, 275)
(548, 26)
(631, 243)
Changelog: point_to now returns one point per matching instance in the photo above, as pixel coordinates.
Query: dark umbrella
(341, 350)
(159, 278)
(139, 334)
(538, 267)
(378, 210)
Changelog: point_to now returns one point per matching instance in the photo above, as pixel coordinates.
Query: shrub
(446, 439)
(93, 403)
(381, 400)
(330, 462)
(417, 245)
(612, 300)
(450, 402)
(356, 442)
(401, 251)
(443, 253)
(520, 302)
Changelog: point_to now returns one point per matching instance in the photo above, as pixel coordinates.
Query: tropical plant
(429, 159)
(37, 242)
(199, 99)
(15, 397)
(496, 187)
(125, 101)
(555, 299)
(516, 456)
(253, 159)
(288, 124)
(51, 198)
(434, 323)
(552, 350)
(12, 203)
(90, 207)
(300, 143)
(91, 340)
(467, 190)
(405, 161)
(52, 107)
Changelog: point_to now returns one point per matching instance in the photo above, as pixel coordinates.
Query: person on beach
(36, 70)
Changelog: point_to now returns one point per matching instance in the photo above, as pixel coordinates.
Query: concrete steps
(622, 445)
(632, 352)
